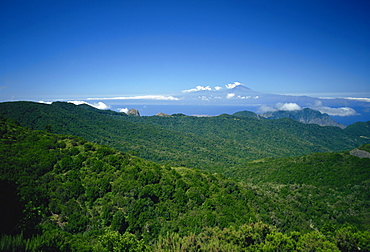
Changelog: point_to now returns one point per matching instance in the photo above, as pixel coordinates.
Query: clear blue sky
(79, 49)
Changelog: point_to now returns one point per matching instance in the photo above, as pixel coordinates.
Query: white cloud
(140, 97)
(358, 99)
(231, 95)
(198, 88)
(280, 106)
(124, 110)
(341, 111)
(45, 102)
(290, 106)
(99, 105)
(218, 88)
(245, 97)
(264, 108)
(230, 86)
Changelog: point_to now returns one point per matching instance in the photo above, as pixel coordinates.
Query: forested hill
(209, 143)
(63, 193)
(334, 170)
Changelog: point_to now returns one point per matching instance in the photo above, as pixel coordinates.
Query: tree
(114, 241)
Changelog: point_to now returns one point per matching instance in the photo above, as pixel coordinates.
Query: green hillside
(208, 143)
(361, 129)
(276, 138)
(66, 194)
(339, 170)
(149, 142)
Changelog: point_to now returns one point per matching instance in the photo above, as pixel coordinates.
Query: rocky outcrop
(360, 153)
(162, 114)
(133, 112)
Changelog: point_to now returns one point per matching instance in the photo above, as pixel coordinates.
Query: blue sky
(53, 50)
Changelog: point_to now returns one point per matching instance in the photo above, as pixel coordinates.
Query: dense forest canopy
(65, 193)
(206, 143)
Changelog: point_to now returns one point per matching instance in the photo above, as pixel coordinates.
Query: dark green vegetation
(208, 143)
(65, 193)
(329, 169)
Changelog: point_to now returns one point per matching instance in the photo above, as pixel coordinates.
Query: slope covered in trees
(281, 137)
(340, 170)
(209, 143)
(73, 195)
(338, 175)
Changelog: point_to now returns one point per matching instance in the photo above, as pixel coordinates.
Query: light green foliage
(51, 240)
(349, 239)
(113, 241)
(315, 241)
(260, 237)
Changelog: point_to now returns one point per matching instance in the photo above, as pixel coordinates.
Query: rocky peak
(133, 112)
(306, 115)
(162, 114)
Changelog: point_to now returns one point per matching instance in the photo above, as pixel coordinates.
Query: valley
(83, 179)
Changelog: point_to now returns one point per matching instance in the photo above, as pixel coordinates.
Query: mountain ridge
(305, 115)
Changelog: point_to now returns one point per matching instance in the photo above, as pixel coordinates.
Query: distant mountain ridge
(306, 115)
